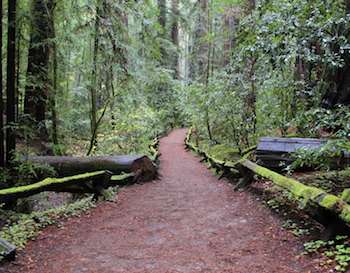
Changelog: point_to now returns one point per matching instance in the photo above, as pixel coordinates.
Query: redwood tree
(162, 23)
(11, 82)
(38, 79)
(2, 140)
(175, 35)
(339, 81)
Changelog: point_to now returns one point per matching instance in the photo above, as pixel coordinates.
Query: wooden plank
(288, 145)
(7, 251)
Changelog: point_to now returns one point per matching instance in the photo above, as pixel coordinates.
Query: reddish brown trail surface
(187, 221)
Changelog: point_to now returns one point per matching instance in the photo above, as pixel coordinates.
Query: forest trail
(187, 221)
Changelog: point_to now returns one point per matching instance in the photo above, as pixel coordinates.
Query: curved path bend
(187, 221)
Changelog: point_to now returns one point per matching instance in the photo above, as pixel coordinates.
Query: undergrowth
(336, 252)
(21, 228)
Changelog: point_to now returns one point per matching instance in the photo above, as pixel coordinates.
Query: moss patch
(305, 193)
(49, 181)
(346, 195)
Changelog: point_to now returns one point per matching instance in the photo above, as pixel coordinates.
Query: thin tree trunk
(162, 23)
(207, 73)
(93, 95)
(54, 91)
(203, 48)
(18, 65)
(11, 82)
(229, 28)
(2, 140)
(175, 36)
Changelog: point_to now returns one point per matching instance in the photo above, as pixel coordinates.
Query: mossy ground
(220, 151)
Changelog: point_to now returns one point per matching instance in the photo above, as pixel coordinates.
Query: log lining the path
(306, 195)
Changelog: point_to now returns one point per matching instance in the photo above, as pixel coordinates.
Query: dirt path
(186, 222)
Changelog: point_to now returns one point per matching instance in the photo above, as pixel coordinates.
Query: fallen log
(306, 194)
(86, 183)
(93, 183)
(7, 251)
(68, 166)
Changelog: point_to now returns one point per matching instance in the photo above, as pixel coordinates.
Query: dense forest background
(104, 77)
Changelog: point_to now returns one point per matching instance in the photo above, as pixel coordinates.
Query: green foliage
(337, 251)
(27, 171)
(314, 246)
(323, 158)
(24, 227)
(314, 122)
(295, 228)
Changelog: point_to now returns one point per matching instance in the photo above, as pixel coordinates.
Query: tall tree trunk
(175, 36)
(162, 23)
(229, 28)
(38, 79)
(202, 46)
(93, 83)
(53, 92)
(205, 55)
(2, 139)
(18, 54)
(11, 83)
(339, 81)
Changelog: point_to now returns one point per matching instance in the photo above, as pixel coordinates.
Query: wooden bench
(7, 251)
(275, 153)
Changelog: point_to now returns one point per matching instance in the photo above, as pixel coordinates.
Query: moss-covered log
(68, 166)
(306, 194)
(94, 183)
(311, 197)
(79, 183)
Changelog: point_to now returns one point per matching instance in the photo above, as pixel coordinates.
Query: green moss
(49, 181)
(329, 201)
(122, 176)
(345, 214)
(346, 195)
(304, 193)
(223, 152)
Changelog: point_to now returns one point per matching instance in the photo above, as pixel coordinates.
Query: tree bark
(66, 165)
(339, 82)
(38, 80)
(175, 36)
(2, 136)
(52, 96)
(202, 45)
(162, 23)
(93, 95)
(229, 28)
(11, 83)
